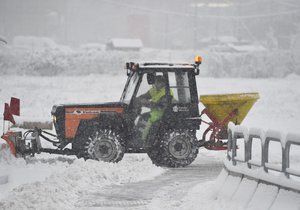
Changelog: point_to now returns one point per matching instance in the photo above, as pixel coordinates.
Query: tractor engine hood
(67, 117)
(85, 108)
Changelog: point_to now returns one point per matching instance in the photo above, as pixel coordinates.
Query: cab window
(144, 86)
(179, 87)
(129, 89)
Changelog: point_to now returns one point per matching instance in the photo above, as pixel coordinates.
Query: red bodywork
(73, 116)
(8, 138)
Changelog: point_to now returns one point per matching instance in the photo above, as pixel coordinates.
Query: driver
(156, 100)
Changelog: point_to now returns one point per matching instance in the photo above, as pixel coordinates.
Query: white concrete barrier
(260, 184)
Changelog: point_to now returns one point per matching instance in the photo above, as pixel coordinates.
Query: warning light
(198, 59)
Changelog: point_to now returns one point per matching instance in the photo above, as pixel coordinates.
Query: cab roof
(159, 66)
(166, 65)
(163, 66)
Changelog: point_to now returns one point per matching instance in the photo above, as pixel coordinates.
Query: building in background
(169, 24)
(124, 44)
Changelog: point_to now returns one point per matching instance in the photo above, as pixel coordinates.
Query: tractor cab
(172, 105)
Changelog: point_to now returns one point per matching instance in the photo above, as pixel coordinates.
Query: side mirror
(150, 78)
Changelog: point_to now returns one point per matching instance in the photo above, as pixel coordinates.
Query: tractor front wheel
(174, 149)
(104, 145)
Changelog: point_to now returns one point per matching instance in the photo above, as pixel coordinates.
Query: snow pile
(5, 158)
(5, 154)
(42, 56)
(19, 171)
(63, 187)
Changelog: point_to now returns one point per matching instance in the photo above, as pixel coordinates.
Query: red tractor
(157, 114)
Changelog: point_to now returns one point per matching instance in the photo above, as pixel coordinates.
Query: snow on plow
(106, 131)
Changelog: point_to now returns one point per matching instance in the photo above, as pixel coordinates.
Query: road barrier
(280, 173)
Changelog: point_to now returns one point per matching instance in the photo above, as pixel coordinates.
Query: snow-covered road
(166, 188)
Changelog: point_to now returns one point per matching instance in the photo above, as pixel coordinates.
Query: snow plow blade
(29, 143)
(11, 140)
(220, 106)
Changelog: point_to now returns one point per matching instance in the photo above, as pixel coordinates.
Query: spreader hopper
(221, 109)
(220, 106)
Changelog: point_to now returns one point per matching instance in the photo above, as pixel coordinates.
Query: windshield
(129, 88)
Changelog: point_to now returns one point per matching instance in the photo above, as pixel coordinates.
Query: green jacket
(156, 96)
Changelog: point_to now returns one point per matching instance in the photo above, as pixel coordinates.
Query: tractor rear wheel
(176, 148)
(105, 145)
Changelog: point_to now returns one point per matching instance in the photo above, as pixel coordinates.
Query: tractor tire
(176, 148)
(104, 145)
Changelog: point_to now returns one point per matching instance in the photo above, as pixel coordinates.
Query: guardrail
(286, 176)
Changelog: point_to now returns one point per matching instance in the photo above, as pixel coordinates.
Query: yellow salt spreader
(221, 109)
